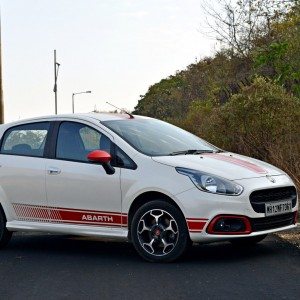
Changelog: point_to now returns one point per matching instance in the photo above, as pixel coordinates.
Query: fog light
(229, 225)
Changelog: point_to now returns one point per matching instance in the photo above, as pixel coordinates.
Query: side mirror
(103, 158)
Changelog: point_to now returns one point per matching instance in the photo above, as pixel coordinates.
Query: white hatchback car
(139, 179)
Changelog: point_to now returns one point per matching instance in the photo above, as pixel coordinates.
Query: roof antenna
(122, 110)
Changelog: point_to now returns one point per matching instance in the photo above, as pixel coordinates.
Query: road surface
(41, 266)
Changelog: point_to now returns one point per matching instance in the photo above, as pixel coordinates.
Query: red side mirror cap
(99, 156)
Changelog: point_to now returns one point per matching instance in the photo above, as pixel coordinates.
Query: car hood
(228, 165)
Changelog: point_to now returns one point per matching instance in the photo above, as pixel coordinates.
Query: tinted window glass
(26, 139)
(90, 138)
(76, 140)
(123, 160)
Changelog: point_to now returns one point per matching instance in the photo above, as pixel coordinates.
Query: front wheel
(248, 241)
(159, 232)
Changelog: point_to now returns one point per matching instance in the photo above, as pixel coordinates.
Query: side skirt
(120, 234)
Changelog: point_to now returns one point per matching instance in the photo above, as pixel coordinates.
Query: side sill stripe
(24, 206)
(35, 213)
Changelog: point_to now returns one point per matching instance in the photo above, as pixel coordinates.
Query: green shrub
(262, 121)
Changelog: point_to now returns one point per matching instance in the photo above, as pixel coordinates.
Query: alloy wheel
(157, 232)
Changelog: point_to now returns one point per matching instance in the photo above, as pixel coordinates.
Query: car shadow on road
(222, 252)
(92, 248)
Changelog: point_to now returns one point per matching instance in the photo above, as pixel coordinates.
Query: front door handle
(53, 171)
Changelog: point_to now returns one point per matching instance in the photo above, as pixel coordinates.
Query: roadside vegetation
(245, 98)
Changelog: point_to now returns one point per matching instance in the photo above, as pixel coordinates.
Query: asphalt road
(63, 267)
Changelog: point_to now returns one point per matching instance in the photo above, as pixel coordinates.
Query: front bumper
(201, 208)
(203, 237)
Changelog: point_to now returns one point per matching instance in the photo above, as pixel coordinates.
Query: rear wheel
(159, 232)
(5, 235)
(248, 241)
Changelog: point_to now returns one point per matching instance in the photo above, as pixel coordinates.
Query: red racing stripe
(68, 215)
(124, 220)
(237, 161)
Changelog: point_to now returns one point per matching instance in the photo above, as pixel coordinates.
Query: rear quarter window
(27, 139)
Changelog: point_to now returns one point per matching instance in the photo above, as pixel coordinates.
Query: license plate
(278, 208)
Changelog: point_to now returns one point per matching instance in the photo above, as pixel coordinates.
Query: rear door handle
(53, 171)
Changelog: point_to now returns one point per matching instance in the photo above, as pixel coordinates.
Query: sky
(115, 48)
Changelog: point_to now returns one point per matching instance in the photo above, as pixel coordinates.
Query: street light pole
(56, 68)
(73, 98)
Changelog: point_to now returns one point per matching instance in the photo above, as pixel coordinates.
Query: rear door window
(27, 139)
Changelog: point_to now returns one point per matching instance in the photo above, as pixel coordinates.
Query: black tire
(168, 231)
(5, 235)
(248, 241)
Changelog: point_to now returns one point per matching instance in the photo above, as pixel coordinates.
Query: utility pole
(1, 89)
(56, 68)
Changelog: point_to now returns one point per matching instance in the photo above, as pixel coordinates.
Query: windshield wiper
(186, 152)
(219, 151)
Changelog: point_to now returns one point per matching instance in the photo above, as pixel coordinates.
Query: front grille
(260, 224)
(260, 197)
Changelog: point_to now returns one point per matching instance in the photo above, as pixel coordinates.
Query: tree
(237, 25)
(279, 59)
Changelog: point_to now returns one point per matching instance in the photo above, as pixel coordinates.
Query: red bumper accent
(196, 225)
(211, 227)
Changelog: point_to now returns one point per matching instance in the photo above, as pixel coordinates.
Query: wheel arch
(146, 197)
(2, 211)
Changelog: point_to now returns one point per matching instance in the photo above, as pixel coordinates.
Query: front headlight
(211, 183)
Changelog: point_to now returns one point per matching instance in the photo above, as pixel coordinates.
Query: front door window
(76, 140)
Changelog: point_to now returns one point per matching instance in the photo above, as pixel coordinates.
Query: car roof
(82, 116)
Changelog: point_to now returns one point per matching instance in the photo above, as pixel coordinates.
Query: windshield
(157, 138)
